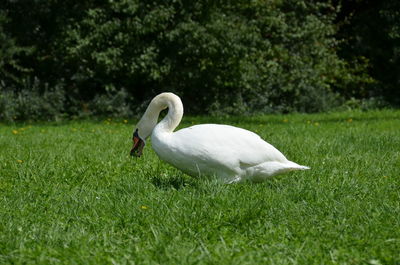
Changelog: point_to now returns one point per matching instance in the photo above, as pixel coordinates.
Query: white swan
(233, 154)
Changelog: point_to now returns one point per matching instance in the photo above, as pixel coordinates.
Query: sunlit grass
(70, 194)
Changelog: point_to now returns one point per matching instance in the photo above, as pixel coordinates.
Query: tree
(220, 56)
(371, 30)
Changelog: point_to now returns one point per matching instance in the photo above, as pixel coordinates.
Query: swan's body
(233, 154)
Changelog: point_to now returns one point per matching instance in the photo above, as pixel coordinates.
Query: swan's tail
(290, 166)
(269, 169)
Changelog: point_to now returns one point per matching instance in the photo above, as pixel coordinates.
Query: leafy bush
(11, 69)
(33, 103)
(219, 56)
(371, 31)
(232, 57)
(112, 104)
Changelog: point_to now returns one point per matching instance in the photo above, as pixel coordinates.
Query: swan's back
(231, 141)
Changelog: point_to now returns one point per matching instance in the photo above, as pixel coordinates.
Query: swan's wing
(225, 144)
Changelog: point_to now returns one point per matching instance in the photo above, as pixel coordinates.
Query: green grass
(70, 194)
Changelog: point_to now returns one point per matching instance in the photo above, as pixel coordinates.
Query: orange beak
(138, 145)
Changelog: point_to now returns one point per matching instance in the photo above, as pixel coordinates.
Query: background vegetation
(73, 58)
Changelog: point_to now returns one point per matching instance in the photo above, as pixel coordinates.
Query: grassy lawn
(70, 194)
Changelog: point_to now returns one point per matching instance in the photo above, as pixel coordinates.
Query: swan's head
(145, 126)
(143, 130)
(138, 144)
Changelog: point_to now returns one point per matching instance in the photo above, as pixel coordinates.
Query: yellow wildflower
(14, 131)
(125, 121)
(144, 207)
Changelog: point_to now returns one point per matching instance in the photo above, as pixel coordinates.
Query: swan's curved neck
(169, 123)
(174, 115)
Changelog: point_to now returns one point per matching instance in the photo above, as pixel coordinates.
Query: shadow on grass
(176, 182)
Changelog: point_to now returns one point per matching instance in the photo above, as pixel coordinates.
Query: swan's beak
(138, 145)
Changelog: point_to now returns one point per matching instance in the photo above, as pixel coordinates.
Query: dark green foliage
(51, 104)
(371, 30)
(111, 104)
(11, 70)
(219, 56)
(32, 102)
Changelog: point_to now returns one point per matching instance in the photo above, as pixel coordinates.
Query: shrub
(235, 57)
(33, 103)
(112, 104)
(11, 69)
(219, 56)
(371, 31)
